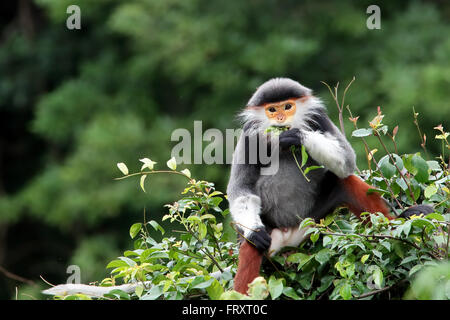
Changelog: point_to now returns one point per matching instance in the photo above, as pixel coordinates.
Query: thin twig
(340, 107)
(152, 172)
(371, 293)
(335, 98)
(205, 250)
(16, 277)
(422, 137)
(345, 91)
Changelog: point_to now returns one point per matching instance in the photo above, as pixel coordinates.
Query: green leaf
(172, 163)
(158, 255)
(128, 261)
(233, 295)
(123, 168)
(139, 290)
(186, 172)
(215, 290)
(308, 169)
(346, 291)
(436, 216)
(406, 228)
(202, 284)
(290, 292)
(116, 264)
(401, 183)
(377, 253)
(207, 216)
(297, 257)
(156, 226)
(147, 163)
(194, 218)
(153, 293)
(258, 289)
(134, 230)
(434, 165)
(142, 181)
(376, 190)
(328, 219)
(304, 156)
(314, 237)
(423, 223)
(422, 168)
(377, 275)
(359, 133)
(364, 258)
(118, 294)
(202, 231)
(306, 222)
(325, 282)
(275, 287)
(386, 167)
(398, 161)
(326, 240)
(323, 255)
(416, 268)
(408, 259)
(430, 190)
(383, 129)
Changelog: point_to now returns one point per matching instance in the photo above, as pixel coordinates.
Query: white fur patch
(245, 212)
(326, 150)
(287, 237)
(305, 110)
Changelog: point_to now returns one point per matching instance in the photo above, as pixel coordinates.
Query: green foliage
(407, 179)
(345, 257)
(178, 267)
(431, 284)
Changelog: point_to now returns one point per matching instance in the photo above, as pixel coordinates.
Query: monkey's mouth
(276, 130)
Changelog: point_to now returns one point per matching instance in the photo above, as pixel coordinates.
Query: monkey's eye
(272, 109)
(287, 106)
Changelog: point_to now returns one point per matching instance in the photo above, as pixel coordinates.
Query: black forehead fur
(277, 89)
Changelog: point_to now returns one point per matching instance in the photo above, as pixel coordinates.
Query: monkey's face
(281, 113)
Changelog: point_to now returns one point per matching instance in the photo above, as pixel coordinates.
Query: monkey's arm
(329, 147)
(245, 205)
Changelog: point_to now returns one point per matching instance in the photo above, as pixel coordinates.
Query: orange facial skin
(281, 112)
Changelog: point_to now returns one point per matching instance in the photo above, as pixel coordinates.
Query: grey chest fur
(286, 196)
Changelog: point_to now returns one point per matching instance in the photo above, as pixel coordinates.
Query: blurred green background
(73, 103)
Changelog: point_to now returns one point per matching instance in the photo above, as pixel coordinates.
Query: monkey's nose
(281, 117)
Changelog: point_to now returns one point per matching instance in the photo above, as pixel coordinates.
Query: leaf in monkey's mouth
(276, 130)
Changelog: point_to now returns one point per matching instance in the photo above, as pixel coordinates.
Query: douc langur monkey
(268, 208)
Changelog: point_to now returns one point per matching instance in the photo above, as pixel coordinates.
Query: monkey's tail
(358, 201)
(249, 264)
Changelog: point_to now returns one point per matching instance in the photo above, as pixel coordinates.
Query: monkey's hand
(260, 239)
(291, 137)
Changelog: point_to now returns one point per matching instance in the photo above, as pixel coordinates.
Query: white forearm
(245, 211)
(329, 152)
